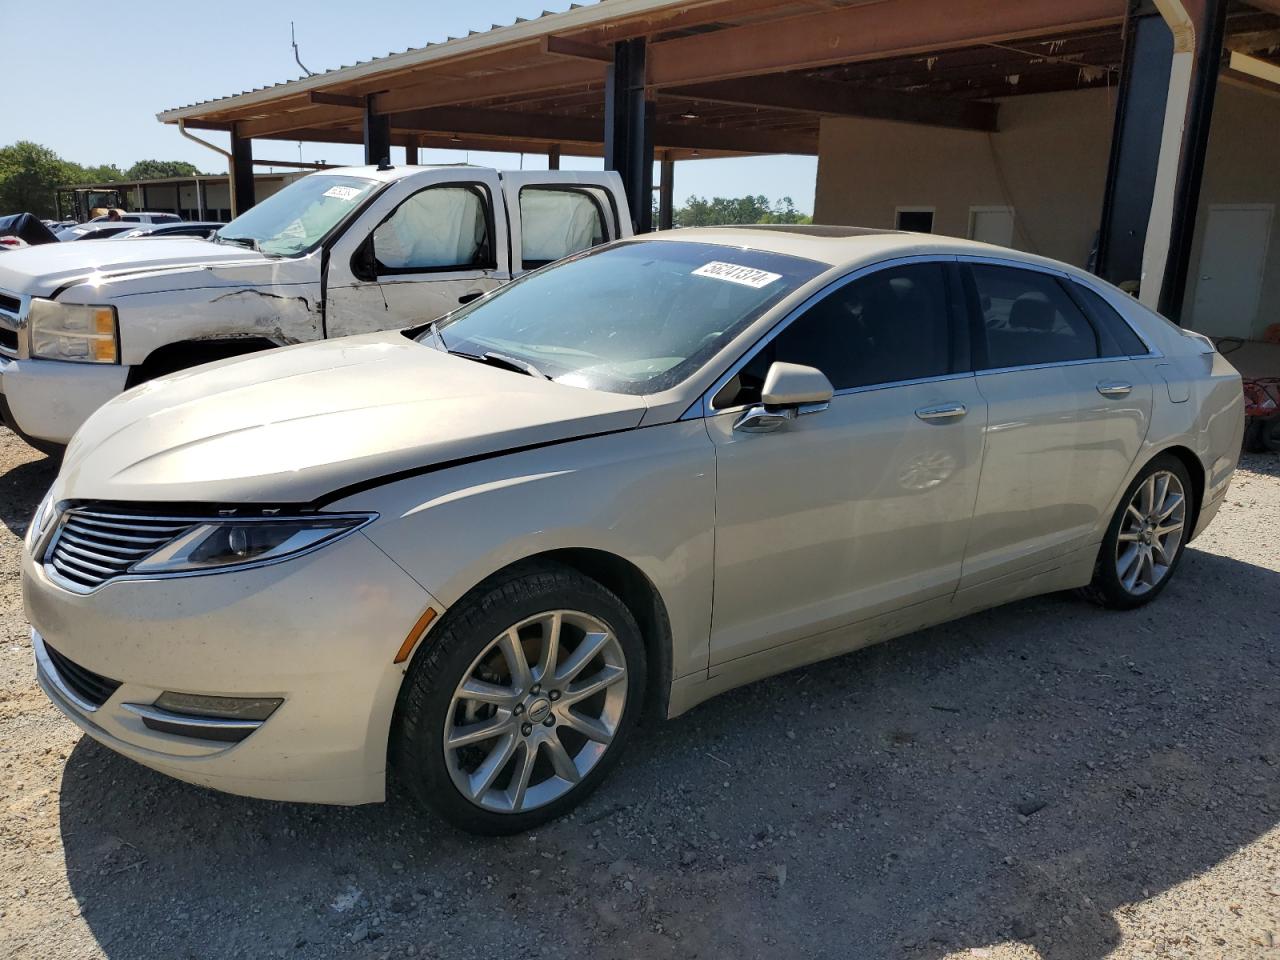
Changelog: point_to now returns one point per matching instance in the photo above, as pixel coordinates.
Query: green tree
(153, 169)
(106, 173)
(701, 212)
(29, 175)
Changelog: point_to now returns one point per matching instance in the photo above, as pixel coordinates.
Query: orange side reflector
(415, 634)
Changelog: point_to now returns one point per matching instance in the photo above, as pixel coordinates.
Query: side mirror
(791, 385)
(363, 265)
(791, 390)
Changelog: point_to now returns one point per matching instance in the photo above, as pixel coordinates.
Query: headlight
(222, 544)
(40, 522)
(71, 331)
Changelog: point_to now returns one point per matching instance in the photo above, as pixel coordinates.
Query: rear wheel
(521, 702)
(1146, 538)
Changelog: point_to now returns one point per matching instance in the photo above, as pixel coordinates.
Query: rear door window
(1118, 338)
(558, 221)
(1029, 319)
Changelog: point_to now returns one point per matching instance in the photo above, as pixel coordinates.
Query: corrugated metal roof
(577, 17)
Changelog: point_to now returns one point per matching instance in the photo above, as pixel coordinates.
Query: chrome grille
(94, 546)
(13, 317)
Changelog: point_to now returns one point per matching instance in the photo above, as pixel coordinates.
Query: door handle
(1114, 388)
(473, 295)
(942, 412)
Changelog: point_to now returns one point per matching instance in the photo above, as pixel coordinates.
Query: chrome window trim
(701, 408)
(1051, 365)
(1071, 278)
(16, 322)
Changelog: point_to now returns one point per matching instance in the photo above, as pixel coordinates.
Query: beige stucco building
(1037, 185)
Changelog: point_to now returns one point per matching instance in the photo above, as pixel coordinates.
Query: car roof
(844, 247)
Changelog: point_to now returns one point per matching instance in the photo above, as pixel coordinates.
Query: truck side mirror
(364, 266)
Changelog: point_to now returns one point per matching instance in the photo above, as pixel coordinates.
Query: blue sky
(88, 80)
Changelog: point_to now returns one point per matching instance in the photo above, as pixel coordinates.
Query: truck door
(555, 213)
(434, 240)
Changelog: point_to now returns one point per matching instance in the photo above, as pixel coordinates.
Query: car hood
(295, 424)
(40, 270)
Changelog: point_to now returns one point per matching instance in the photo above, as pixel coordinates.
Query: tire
(539, 723)
(1115, 583)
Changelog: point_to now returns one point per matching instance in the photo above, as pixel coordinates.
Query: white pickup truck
(339, 252)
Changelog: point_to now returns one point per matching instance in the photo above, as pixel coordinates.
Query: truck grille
(94, 546)
(92, 688)
(12, 319)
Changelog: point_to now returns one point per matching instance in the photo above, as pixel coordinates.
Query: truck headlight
(73, 331)
(223, 544)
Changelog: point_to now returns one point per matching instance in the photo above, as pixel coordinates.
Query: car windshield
(637, 317)
(297, 218)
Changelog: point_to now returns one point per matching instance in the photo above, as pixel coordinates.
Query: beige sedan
(474, 552)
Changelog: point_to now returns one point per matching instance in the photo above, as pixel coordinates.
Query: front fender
(646, 495)
(277, 300)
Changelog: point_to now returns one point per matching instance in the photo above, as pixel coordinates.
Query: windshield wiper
(249, 242)
(495, 359)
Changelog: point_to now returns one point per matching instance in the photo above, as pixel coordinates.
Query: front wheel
(521, 701)
(1146, 538)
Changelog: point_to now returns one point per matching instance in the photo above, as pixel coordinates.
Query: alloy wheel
(1151, 532)
(536, 711)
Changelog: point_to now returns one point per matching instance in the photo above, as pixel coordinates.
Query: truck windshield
(297, 218)
(637, 317)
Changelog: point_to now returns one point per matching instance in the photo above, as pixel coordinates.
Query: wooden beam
(564, 47)
(1267, 6)
(336, 99)
(570, 74)
(1262, 70)
(586, 130)
(871, 32)
(296, 120)
(843, 99)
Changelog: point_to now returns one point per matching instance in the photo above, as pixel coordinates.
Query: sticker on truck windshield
(343, 193)
(735, 273)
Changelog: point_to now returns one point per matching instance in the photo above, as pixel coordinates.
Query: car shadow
(1023, 774)
(22, 486)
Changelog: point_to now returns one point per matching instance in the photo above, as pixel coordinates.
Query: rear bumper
(47, 400)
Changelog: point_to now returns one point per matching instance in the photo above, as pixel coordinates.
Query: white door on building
(1229, 280)
(991, 225)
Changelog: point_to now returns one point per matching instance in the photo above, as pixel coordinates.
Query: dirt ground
(1045, 780)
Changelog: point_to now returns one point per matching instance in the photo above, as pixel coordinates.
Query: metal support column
(199, 199)
(377, 135)
(1135, 145)
(666, 193)
(411, 152)
(1211, 37)
(242, 186)
(553, 157)
(1170, 74)
(628, 129)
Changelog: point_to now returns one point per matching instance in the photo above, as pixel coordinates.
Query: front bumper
(47, 400)
(319, 632)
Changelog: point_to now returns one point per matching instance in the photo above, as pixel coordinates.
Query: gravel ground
(1045, 780)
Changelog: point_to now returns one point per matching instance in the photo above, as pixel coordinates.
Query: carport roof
(728, 76)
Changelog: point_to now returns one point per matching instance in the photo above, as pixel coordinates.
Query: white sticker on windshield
(343, 193)
(734, 273)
